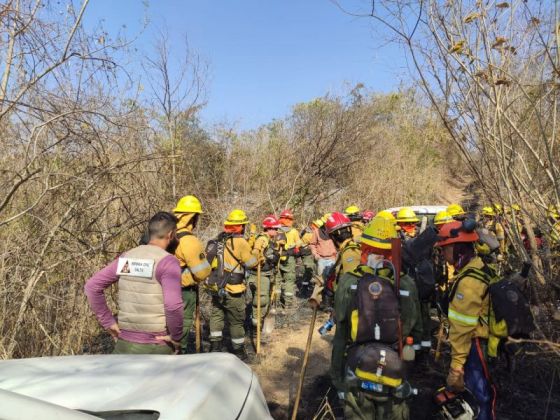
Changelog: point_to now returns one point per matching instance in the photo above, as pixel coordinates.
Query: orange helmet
(454, 232)
(287, 214)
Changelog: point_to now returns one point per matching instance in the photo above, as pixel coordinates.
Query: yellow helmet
(455, 210)
(488, 211)
(318, 222)
(553, 211)
(379, 233)
(499, 208)
(351, 210)
(516, 207)
(236, 217)
(325, 217)
(386, 214)
(188, 204)
(407, 215)
(442, 218)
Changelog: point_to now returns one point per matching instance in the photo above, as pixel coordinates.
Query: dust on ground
(528, 388)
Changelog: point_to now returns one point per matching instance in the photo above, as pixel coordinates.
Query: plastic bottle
(326, 327)
(408, 353)
(377, 332)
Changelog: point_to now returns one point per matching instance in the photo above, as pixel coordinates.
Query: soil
(527, 389)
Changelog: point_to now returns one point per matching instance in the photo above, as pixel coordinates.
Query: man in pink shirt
(150, 319)
(322, 247)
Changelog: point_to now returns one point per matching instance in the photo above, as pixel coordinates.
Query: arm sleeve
(350, 260)
(168, 273)
(313, 244)
(341, 335)
(195, 258)
(245, 254)
(463, 319)
(410, 309)
(94, 290)
(259, 247)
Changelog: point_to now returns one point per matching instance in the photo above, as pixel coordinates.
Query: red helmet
(367, 215)
(270, 222)
(287, 214)
(454, 232)
(337, 221)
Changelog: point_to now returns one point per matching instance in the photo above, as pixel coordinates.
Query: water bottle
(326, 327)
(377, 332)
(408, 353)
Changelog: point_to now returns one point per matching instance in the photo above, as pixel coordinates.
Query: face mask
(374, 261)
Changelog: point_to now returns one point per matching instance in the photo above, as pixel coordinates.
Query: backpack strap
(226, 248)
(475, 273)
(183, 234)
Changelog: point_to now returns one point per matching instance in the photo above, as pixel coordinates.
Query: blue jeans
(477, 380)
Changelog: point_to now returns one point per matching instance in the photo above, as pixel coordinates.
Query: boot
(215, 346)
(241, 353)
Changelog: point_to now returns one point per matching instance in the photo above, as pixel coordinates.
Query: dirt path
(280, 363)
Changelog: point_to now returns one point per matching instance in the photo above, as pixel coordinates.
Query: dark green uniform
(265, 249)
(359, 405)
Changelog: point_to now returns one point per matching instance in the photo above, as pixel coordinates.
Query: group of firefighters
(349, 257)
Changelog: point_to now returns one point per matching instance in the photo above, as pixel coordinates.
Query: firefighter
(456, 211)
(339, 228)
(367, 215)
(407, 220)
(354, 214)
(375, 247)
(468, 318)
(190, 253)
(230, 302)
(266, 251)
(322, 246)
(306, 255)
(490, 221)
(444, 271)
(288, 259)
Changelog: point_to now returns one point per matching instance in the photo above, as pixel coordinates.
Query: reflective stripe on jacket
(468, 313)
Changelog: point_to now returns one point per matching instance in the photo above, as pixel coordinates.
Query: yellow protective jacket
(289, 240)
(238, 256)
(348, 258)
(468, 312)
(307, 238)
(357, 229)
(292, 238)
(266, 250)
(190, 253)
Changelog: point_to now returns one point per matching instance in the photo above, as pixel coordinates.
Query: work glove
(456, 380)
(316, 297)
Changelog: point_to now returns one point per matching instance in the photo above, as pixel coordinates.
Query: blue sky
(264, 55)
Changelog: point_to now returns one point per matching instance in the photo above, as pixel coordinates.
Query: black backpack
(507, 301)
(219, 277)
(375, 314)
(511, 305)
